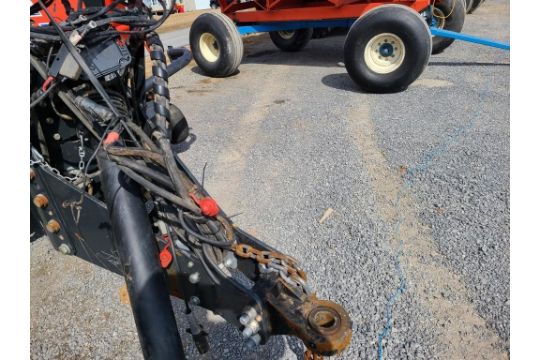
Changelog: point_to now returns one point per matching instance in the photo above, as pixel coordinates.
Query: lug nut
(64, 249)
(53, 226)
(40, 201)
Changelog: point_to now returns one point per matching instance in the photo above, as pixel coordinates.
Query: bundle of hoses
(156, 169)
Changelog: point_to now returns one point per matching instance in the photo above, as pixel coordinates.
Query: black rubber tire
(475, 4)
(400, 21)
(227, 40)
(454, 11)
(468, 4)
(296, 42)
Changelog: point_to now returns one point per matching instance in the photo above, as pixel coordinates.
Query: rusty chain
(274, 261)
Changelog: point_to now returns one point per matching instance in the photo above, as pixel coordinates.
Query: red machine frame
(255, 11)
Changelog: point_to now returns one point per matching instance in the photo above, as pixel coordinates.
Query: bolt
(244, 319)
(49, 120)
(251, 329)
(53, 226)
(228, 262)
(194, 300)
(194, 278)
(57, 137)
(40, 201)
(247, 316)
(64, 249)
(253, 341)
(190, 264)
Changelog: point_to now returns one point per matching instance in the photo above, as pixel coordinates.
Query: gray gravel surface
(418, 181)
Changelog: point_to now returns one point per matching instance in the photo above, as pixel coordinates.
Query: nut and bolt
(230, 261)
(253, 341)
(53, 226)
(57, 137)
(64, 249)
(194, 278)
(40, 201)
(247, 316)
(194, 300)
(251, 329)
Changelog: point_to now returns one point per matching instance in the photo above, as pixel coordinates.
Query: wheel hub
(286, 34)
(209, 47)
(386, 50)
(384, 53)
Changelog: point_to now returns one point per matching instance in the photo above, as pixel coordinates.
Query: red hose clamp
(111, 138)
(165, 257)
(208, 206)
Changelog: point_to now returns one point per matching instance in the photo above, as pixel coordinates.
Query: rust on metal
(323, 326)
(310, 355)
(40, 201)
(53, 226)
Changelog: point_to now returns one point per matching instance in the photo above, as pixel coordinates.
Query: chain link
(274, 261)
(41, 161)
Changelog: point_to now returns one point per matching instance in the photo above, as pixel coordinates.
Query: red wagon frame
(255, 11)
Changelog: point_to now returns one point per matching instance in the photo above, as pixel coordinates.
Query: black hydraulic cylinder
(138, 253)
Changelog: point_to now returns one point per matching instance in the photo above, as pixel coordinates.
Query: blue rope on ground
(423, 165)
(389, 306)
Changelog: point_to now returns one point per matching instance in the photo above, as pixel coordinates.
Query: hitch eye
(324, 319)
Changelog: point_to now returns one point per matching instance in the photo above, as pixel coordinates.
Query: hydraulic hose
(138, 252)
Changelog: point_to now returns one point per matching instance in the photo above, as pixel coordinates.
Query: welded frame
(256, 11)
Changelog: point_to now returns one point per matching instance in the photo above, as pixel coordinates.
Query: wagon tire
(216, 44)
(450, 15)
(387, 48)
(468, 4)
(475, 4)
(293, 40)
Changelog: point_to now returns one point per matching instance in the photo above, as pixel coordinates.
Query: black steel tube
(138, 252)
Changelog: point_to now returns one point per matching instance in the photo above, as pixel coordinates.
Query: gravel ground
(417, 248)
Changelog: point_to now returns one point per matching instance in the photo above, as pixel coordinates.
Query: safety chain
(274, 261)
(41, 161)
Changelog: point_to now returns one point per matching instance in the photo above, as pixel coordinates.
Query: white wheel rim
(209, 47)
(286, 34)
(384, 53)
(440, 17)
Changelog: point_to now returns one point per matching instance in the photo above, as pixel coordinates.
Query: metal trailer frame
(296, 10)
(347, 23)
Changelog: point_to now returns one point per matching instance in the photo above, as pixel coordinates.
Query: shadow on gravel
(341, 81)
(464, 63)
(325, 52)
